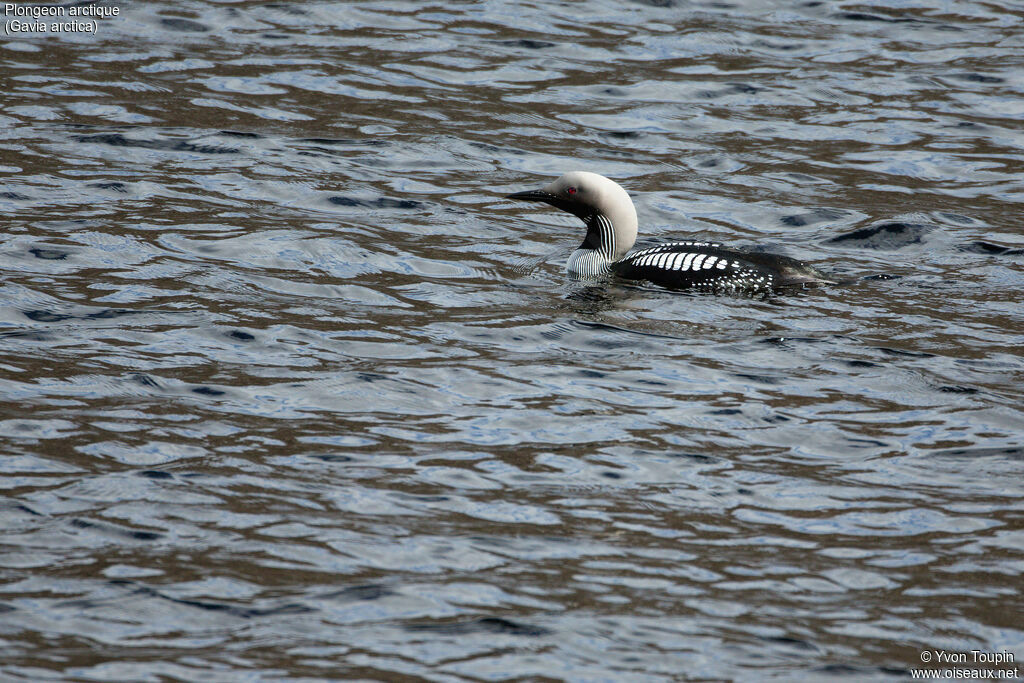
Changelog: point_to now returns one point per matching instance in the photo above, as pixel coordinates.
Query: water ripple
(288, 388)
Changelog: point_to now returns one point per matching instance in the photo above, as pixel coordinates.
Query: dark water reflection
(288, 390)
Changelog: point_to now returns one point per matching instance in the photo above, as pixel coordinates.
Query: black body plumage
(711, 267)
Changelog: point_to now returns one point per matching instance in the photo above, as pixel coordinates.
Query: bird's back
(708, 266)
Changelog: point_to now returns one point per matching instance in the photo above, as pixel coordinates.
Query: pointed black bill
(533, 196)
(554, 200)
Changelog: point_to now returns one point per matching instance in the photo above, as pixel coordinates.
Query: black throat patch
(593, 237)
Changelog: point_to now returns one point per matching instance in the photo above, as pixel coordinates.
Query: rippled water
(288, 389)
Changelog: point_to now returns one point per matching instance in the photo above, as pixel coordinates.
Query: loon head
(600, 203)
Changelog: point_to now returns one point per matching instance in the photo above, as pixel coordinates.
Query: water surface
(288, 390)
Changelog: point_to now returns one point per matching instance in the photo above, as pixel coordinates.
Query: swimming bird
(611, 222)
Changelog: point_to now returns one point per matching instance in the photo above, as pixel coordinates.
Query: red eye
(571, 191)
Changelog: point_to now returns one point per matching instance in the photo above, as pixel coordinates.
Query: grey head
(606, 209)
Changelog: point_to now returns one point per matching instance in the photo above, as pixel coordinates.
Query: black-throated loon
(611, 221)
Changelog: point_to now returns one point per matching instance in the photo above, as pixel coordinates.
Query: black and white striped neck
(596, 255)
